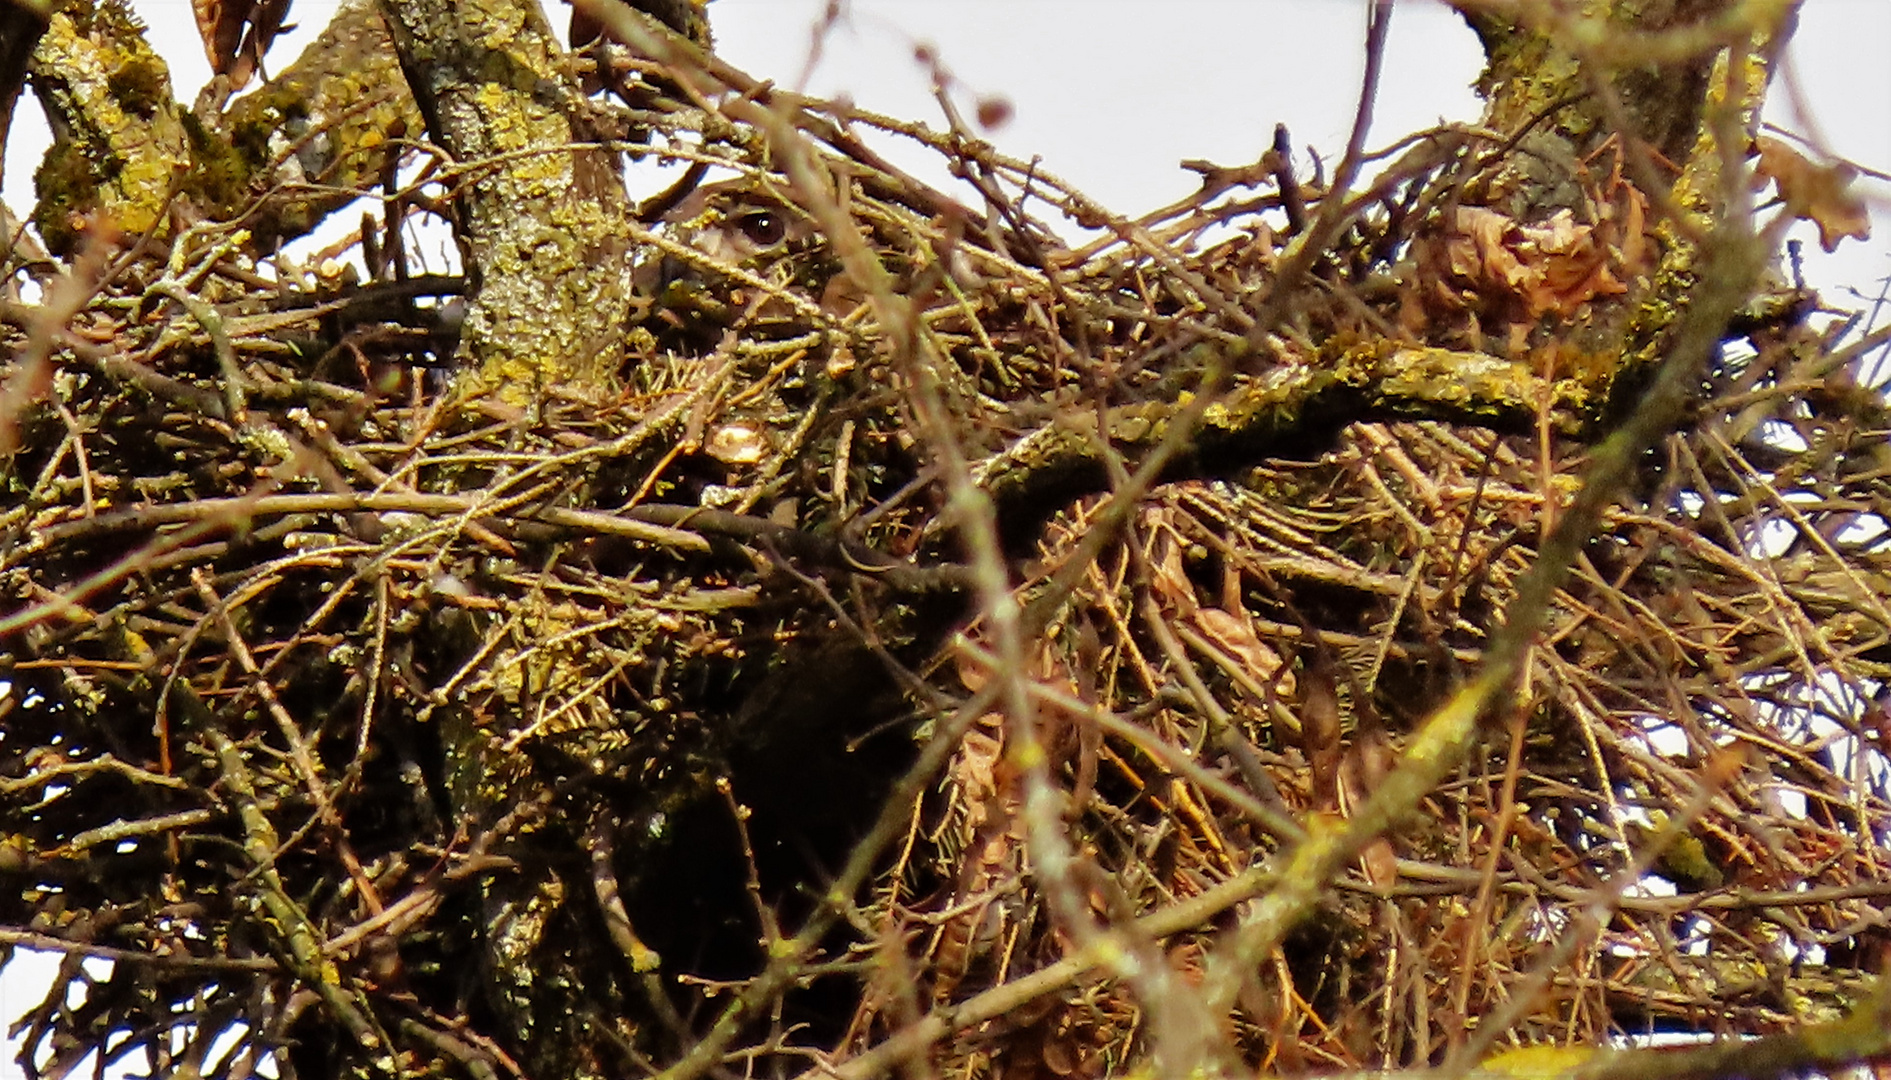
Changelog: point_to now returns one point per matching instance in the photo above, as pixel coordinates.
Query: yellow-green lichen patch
(119, 148)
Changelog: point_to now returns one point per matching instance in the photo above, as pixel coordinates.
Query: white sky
(1114, 93)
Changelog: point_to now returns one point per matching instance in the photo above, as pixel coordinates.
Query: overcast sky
(1115, 93)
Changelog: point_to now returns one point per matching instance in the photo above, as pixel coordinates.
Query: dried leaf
(1553, 268)
(1169, 581)
(1381, 863)
(1235, 635)
(1571, 266)
(1821, 194)
(994, 112)
(236, 34)
(969, 661)
(1488, 261)
(1320, 734)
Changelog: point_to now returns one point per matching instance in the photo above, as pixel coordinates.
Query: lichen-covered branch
(542, 212)
(120, 144)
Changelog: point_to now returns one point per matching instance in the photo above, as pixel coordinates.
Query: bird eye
(764, 228)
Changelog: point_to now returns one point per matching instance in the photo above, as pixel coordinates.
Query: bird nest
(407, 719)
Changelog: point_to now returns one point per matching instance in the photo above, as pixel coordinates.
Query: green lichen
(142, 86)
(222, 174)
(106, 18)
(1526, 76)
(118, 150)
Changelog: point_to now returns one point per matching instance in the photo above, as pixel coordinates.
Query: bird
(740, 221)
(742, 256)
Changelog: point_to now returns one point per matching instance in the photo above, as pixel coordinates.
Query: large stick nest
(366, 708)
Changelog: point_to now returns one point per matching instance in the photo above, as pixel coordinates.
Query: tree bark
(542, 213)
